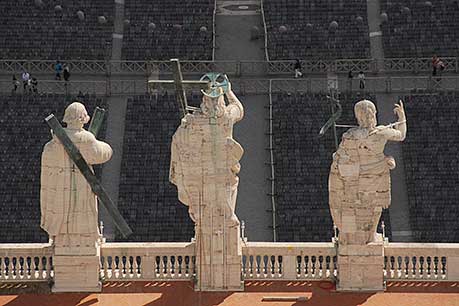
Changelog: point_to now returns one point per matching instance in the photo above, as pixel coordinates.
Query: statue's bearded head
(76, 115)
(213, 107)
(365, 112)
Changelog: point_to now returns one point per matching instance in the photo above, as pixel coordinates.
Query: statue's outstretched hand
(399, 110)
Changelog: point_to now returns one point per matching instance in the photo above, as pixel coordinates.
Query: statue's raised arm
(395, 131)
(359, 181)
(235, 109)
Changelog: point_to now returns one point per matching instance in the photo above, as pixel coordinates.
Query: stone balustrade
(26, 262)
(421, 261)
(261, 261)
(288, 261)
(148, 261)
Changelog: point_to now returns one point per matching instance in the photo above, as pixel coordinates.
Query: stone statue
(205, 157)
(359, 181)
(204, 167)
(68, 206)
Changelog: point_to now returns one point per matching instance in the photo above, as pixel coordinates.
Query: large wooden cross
(179, 83)
(80, 162)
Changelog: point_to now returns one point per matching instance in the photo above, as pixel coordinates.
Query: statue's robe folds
(205, 162)
(68, 206)
(359, 182)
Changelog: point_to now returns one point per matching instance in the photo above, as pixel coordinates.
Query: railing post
(238, 68)
(108, 70)
(289, 265)
(388, 85)
(147, 267)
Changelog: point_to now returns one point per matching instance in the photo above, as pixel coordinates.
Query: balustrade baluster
(399, 267)
(109, 272)
(258, 265)
(179, 266)
(251, 269)
(138, 267)
(415, 271)
(385, 267)
(102, 270)
(28, 268)
(314, 266)
(392, 267)
(51, 267)
(14, 268)
(327, 266)
(21, 267)
(436, 267)
(117, 267)
(269, 266)
(407, 268)
(429, 267)
(193, 262)
(173, 268)
(320, 269)
(48, 267)
(335, 266)
(421, 269)
(308, 266)
(6, 272)
(280, 267)
(163, 267)
(244, 266)
(132, 268)
(124, 269)
(443, 267)
(265, 266)
(187, 266)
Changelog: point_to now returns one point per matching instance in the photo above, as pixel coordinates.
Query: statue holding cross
(68, 198)
(204, 167)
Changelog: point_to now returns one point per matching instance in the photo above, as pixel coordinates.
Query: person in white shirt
(25, 79)
(361, 78)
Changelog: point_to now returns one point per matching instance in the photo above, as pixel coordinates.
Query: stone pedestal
(74, 272)
(218, 257)
(360, 267)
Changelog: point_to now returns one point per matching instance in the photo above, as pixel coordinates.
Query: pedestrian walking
(437, 66)
(15, 84)
(25, 79)
(361, 78)
(66, 72)
(350, 76)
(297, 67)
(58, 69)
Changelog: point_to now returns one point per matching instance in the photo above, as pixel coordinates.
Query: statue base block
(76, 274)
(361, 267)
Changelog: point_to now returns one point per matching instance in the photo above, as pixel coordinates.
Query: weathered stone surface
(359, 182)
(69, 207)
(204, 167)
(359, 188)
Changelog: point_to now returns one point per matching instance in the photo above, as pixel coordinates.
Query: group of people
(63, 69)
(360, 77)
(29, 83)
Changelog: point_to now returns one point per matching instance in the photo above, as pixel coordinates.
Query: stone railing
(288, 261)
(148, 261)
(233, 68)
(25, 262)
(261, 261)
(251, 86)
(421, 261)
